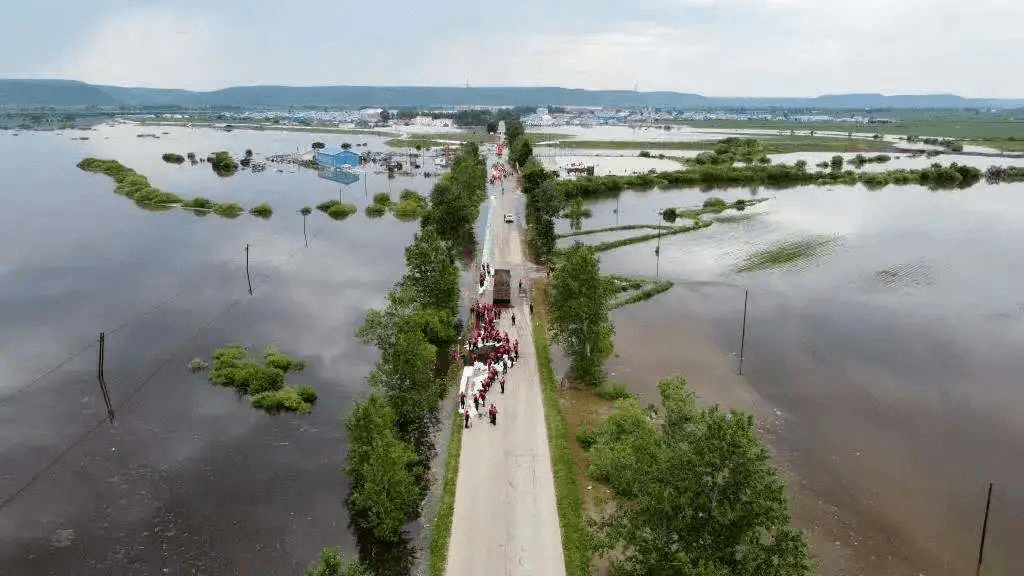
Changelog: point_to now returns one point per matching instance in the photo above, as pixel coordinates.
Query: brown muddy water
(189, 478)
(886, 374)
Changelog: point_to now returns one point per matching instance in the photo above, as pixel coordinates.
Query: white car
(509, 218)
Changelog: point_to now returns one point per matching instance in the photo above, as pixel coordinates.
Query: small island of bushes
(263, 382)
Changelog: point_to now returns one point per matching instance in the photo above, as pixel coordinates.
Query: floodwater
(189, 478)
(886, 374)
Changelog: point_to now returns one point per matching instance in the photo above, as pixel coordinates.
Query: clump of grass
(382, 199)
(172, 158)
(612, 391)
(283, 362)
(307, 393)
(285, 399)
(786, 254)
(262, 211)
(586, 435)
(228, 210)
(337, 209)
(376, 210)
(411, 205)
(128, 182)
(264, 382)
(200, 203)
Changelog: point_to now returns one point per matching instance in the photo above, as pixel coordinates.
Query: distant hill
(74, 93)
(53, 93)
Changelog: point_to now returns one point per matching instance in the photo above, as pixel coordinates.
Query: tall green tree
(385, 493)
(513, 130)
(520, 151)
(580, 300)
(431, 273)
(836, 163)
(696, 495)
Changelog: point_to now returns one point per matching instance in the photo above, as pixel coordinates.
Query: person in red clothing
(493, 412)
(466, 414)
(462, 400)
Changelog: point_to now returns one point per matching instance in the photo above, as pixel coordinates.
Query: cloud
(152, 47)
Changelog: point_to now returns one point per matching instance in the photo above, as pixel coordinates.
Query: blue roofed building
(336, 157)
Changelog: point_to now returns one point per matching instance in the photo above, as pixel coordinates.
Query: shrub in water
(714, 202)
(287, 398)
(228, 209)
(199, 202)
(336, 209)
(262, 211)
(669, 214)
(376, 210)
(172, 158)
(308, 393)
(382, 198)
(306, 210)
(282, 362)
(586, 436)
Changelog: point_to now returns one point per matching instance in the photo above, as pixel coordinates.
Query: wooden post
(743, 332)
(984, 529)
(103, 383)
(247, 264)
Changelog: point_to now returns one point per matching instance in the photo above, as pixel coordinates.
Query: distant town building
(370, 114)
(336, 157)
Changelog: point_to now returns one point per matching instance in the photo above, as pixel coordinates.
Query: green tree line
(390, 431)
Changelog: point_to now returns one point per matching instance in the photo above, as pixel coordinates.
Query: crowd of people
(493, 354)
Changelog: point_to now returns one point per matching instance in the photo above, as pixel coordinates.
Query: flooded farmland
(885, 372)
(189, 478)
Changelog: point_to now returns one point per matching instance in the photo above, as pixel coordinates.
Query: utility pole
(103, 383)
(743, 332)
(984, 529)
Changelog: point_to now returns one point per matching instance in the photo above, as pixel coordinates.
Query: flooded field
(885, 371)
(189, 478)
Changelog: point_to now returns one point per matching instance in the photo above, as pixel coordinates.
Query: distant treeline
(470, 117)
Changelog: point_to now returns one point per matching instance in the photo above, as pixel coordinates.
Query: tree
(431, 273)
(492, 127)
(696, 495)
(318, 145)
(334, 562)
(580, 298)
(384, 117)
(837, 163)
(520, 151)
(384, 492)
(513, 130)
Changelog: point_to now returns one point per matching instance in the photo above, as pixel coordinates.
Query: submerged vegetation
(263, 382)
(133, 185)
(172, 158)
(411, 205)
(223, 163)
(262, 211)
(633, 290)
(786, 254)
(337, 209)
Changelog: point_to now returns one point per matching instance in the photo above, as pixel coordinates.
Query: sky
(712, 47)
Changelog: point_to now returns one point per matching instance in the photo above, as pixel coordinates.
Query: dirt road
(505, 519)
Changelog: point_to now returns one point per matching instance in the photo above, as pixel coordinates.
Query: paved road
(505, 519)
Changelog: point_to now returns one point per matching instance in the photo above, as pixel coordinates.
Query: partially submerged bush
(262, 210)
(669, 214)
(411, 205)
(222, 163)
(228, 209)
(287, 399)
(336, 209)
(283, 362)
(200, 203)
(172, 158)
(306, 211)
(382, 199)
(376, 210)
(264, 382)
